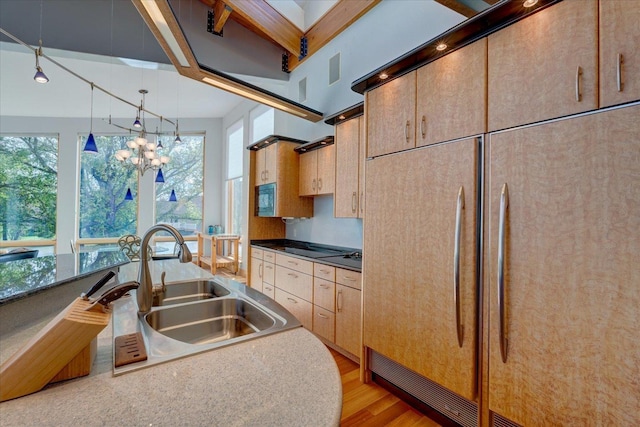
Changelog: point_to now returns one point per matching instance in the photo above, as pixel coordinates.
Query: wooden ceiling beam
(221, 12)
(456, 6)
(262, 16)
(336, 20)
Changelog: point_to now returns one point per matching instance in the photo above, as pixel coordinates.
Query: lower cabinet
(348, 311)
(257, 269)
(300, 308)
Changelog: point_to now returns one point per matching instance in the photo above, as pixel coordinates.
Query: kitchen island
(288, 378)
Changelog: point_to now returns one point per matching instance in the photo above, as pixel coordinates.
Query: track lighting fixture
(40, 76)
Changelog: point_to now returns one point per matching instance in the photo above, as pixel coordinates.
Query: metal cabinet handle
(323, 271)
(339, 301)
(292, 262)
(262, 176)
(619, 72)
(456, 264)
(266, 175)
(295, 276)
(292, 300)
(260, 270)
(268, 288)
(578, 78)
(362, 202)
(354, 198)
(407, 127)
(313, 184)
(319, 184)
(504, 202)
(269, 267)
(423, 127)
(323, 316)
(323, 286)
(351, 279)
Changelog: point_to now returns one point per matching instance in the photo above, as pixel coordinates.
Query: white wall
(69, 147)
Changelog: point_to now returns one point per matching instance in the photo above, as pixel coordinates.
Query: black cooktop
(339, 256)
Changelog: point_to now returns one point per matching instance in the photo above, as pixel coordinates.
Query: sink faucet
(145, 290)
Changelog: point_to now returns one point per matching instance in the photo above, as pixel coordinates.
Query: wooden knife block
(65, 348)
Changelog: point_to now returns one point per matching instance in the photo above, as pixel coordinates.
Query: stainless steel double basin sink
(190, 317)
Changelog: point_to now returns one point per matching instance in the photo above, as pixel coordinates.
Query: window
(28, 190)
(184, 176)
(104, 213)
(235, 152)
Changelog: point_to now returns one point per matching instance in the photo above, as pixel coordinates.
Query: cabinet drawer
(324, 323)
(324, 271)
(268, 273)
(294, 282)
(268, 290)
(295, 264)
(353, 279)
(256, 253)
(269, 256)
(300, 308)
(324, 293)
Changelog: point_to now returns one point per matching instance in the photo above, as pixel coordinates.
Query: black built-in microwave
(266, 200)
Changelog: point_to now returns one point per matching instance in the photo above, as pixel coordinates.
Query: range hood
(272, 139)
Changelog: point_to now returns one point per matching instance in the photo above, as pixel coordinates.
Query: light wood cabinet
(317, 172)
(301, 309)
(262, 276)
(349, 162)
(257, 269)
(619, 52)
(391, 116)
(348, 319)
(324, 292)
(451, 99)
(324, 323)
(266, 165)
(361, 165)
(571, 288)
(416, 313)
(544, 66)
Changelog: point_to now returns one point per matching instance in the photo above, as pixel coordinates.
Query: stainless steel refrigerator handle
(504, 202)
(619, 71)
(578, 75)
(456, 263)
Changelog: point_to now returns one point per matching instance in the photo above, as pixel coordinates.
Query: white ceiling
(170, 94)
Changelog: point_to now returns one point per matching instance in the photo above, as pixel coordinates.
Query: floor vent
(499, 421)
(434, 395)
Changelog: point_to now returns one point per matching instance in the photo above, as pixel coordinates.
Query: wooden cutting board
(61, 350)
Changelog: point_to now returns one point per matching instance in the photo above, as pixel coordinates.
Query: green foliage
(28, 187)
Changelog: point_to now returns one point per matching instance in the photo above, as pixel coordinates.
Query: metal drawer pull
(323, 316)
(313, 184)
(423, 127)
(325, 271)
(354, 198)
(292, 300)
(292, 275)
(323, 286)
(339, 300)
(578, 78)
(619, 72)
(361, 202)
(351, 279)
(262, 176)
(456, 264)
(260, 271)
(406, 130)
(269, 267)
(319, 184)
(266, 175)
(268, 288)
(504, 202)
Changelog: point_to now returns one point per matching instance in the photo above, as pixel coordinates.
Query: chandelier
(142, 154)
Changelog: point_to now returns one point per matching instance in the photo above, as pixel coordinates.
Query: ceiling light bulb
(40, 77)
(529, 3)
(441, 46)
(137, 123)
(383, 76)
(341, 117)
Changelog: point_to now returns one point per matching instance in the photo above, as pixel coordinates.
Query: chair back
(130, 245)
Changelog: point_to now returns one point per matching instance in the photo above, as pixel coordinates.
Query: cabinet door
(348, 318)
(260, 167)
(410, 245)
(324, 323)
(301, 309)
(571, 272)
(308, 173)
(619, 52)
(257, 270)
(361, 163)
(451, 99)
(326, 170)
(270, 163)
(391, 122)
(544, 66)
(347, 152)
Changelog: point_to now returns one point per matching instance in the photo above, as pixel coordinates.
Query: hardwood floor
(372, 405)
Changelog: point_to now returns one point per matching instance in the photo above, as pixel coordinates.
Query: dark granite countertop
(22, 278)
(337, 256)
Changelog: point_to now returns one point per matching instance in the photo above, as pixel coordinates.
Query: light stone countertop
(285, 379)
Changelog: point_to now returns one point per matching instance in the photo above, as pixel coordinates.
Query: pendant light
(40, 77)
(177, 140)
(173, 197)
(90, 146)
(129, 196)
(160, 176)
(137, 124)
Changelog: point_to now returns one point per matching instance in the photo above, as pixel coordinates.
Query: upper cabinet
(452, 95)
(544, 66)
(317, 171)
(391, 116)
(266, 163)
(619, 52)
(349, 169)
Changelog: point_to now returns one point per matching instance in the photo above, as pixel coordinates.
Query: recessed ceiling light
(529, 3)
(383, 76)
(341, 117)
(440, 47)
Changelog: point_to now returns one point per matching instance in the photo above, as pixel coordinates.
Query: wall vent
(334, 68)
(449, 404)
(302, 90)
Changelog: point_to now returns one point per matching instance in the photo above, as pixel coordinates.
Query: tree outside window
(28, 187)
